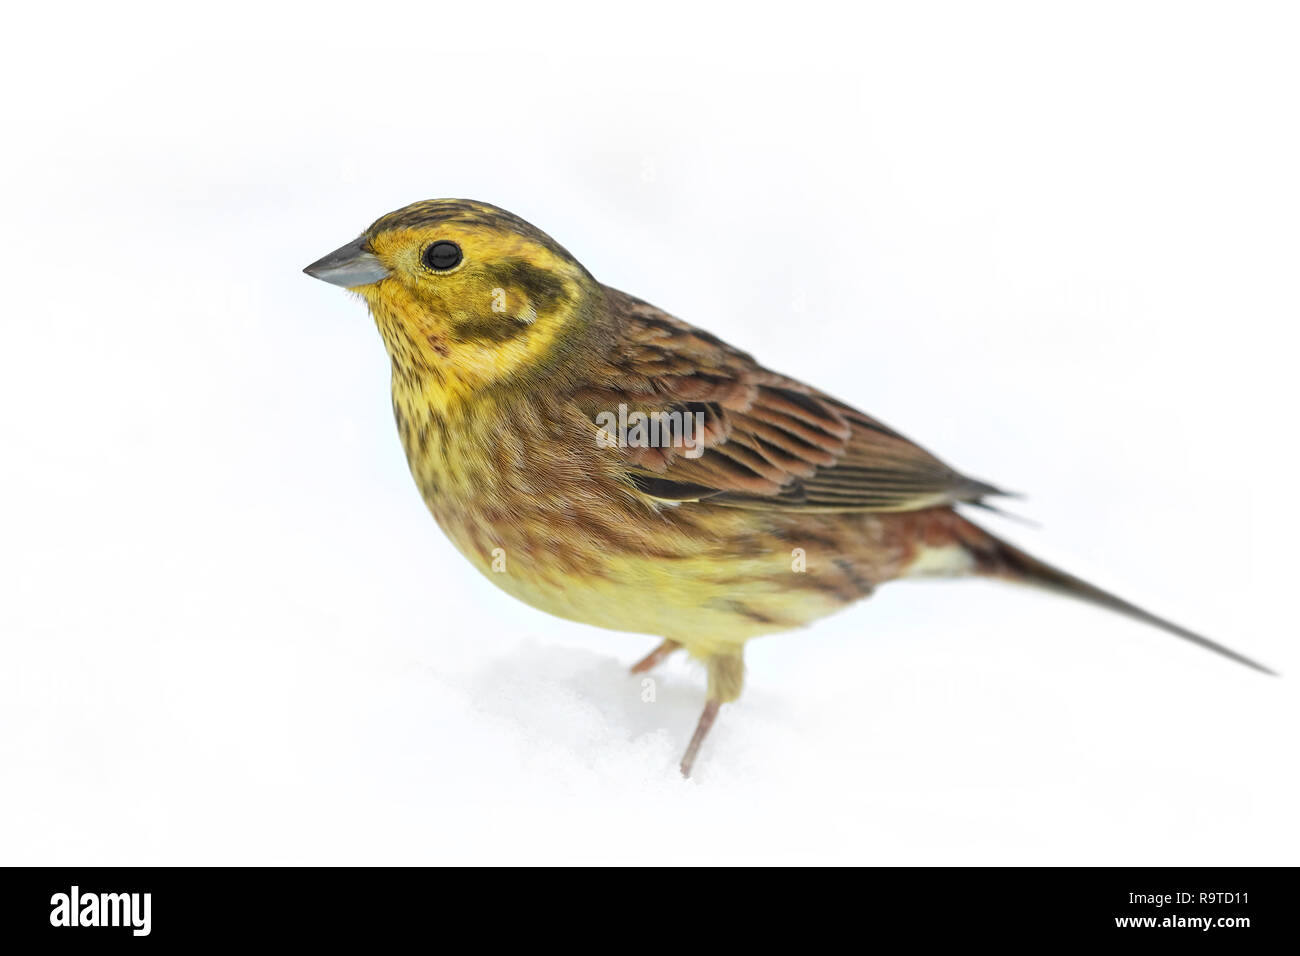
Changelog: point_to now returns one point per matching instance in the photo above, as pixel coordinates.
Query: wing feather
(768, 441)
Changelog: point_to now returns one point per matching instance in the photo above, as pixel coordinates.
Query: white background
(1057, 244)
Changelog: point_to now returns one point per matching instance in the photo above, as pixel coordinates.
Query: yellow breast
(546, 518)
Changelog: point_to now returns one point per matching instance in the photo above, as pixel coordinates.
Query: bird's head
(467, 295)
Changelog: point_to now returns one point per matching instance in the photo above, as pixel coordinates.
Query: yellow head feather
(508, 306)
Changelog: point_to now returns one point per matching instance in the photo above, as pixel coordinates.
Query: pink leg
(701, 731)
(655, 657)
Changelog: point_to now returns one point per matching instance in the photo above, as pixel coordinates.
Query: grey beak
(348, 266)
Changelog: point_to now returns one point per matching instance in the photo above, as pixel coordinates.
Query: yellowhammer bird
(611, 464)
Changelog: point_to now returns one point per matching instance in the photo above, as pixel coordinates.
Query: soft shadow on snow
(571, 713)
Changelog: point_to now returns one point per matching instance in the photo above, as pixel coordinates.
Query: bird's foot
(701, 731)
(655, 657)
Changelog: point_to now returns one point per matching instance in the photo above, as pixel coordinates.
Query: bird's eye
(442, 255)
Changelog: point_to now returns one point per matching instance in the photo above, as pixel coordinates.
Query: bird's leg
(701, 731)
(726, 678)
(655, 657)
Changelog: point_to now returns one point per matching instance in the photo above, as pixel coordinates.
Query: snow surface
(1060, 252)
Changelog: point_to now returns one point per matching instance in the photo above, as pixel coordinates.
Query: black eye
(442, 255)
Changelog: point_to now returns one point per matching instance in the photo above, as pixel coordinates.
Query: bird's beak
(348, 266)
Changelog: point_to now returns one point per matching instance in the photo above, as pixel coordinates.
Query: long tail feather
(999, 559)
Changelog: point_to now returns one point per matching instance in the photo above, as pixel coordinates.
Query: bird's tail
(995, 558)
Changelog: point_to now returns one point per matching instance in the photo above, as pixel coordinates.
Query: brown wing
(768, 441)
